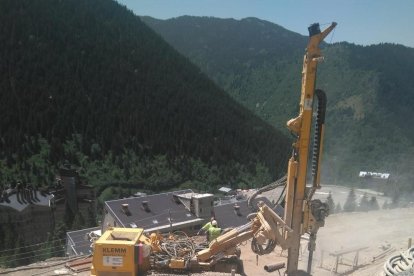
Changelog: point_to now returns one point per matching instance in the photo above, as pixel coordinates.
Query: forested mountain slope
(370, 89)
(87, 82)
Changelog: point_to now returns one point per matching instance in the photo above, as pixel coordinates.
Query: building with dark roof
(184, 210)
(180, 210)
(32, 213)
(28, 211)
(231, 215)
(80, 242)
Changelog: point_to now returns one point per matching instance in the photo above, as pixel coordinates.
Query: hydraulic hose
(280, 182)
(400, 264)
(319, 122)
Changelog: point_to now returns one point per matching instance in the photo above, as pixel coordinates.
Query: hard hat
(214, 222)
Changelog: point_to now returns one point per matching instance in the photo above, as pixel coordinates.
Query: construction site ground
(382, 231)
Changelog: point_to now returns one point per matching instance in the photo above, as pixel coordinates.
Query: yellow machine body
(121, 252)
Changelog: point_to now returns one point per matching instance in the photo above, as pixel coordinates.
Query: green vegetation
(369, 89)
(102, 91)
(87, 83)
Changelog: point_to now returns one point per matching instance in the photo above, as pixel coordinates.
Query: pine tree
(1, 238)
(90, 217)
(9, 233)
(22, 256)
(350, 204)
(330, 203)
(68, 216)
(46, 249)
(78, 221)
(364, 203)
(373, 203)
(58, 240)
(395, 200)
(338, 208)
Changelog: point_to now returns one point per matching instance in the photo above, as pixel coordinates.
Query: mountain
(86, 82)
(370, 89)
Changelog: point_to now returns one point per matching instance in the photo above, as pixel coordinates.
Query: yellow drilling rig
(127, 251)
(302, 213)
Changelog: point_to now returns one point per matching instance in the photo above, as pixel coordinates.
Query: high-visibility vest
(213, 233)
(206, 226)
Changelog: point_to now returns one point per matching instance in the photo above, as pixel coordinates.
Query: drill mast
(298, 212)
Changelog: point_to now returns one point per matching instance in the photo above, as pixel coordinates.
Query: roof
(228, 217)
(224, 189)
(80, 241)
(161, 207)
(374, 175)
(20, 201)
(165, 205)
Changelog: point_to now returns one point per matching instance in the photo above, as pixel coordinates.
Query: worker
(206, 227)
(214, 231)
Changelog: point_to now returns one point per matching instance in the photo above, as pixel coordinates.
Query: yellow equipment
(127, 251)
(302, 214)
(121, 251)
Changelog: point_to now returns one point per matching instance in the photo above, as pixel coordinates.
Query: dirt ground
(376, 231)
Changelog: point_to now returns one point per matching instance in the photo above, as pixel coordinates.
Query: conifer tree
(68, 216)
(1, 238)
(395, 200)
(373, 203)
(90, 218)
(338, 208)
(350, 204)
(46, 249)
(78, 221)
(9, 234)
(330, 203)
(22, 256)
(364, 203)
(58, 240)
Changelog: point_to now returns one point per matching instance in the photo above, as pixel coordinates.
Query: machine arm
(266, 228)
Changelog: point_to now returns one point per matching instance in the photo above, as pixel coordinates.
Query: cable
(42, 243)
(281, 197)
(43, 266)
(400, 264)
(280, 182)
(31, 251)
(175, 246)
(29, 257)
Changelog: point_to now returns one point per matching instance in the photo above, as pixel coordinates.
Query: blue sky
(362, 22)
